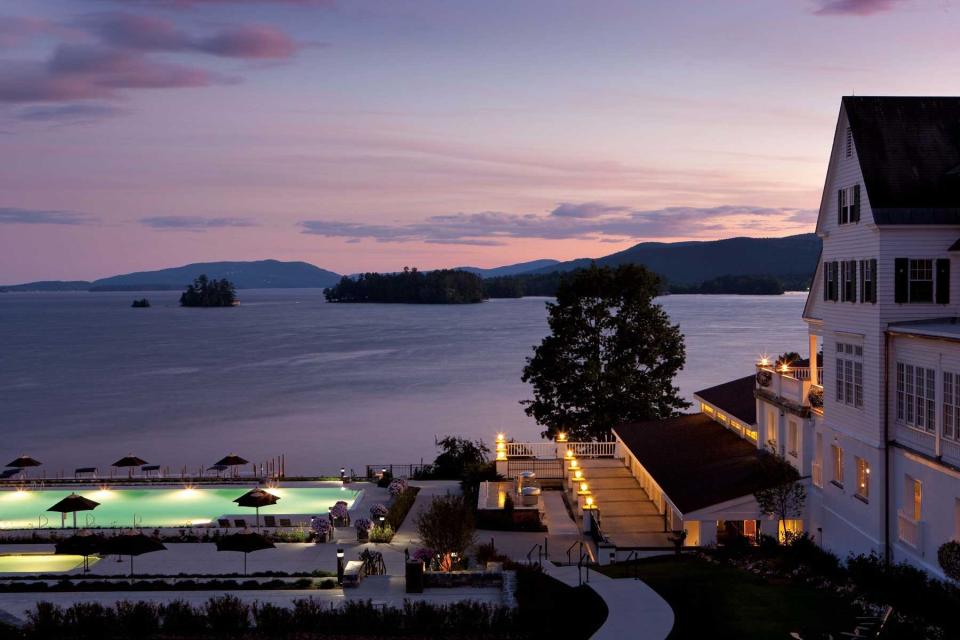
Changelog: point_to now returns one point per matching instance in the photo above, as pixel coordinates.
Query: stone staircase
(627, 515)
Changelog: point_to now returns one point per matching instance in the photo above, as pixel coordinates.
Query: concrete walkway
(636, 612)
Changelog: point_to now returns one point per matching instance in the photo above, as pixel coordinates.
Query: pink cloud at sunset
(372, 134)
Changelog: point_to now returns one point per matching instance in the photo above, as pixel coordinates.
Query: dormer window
(848, 205)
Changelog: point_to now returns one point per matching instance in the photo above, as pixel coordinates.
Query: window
(849, 374)
(921, 281)
(848, 292)
(772, 428)
(818, 461)
(868, 281)
(793, 438)
(951, 406)
(849, 142)
(830, 277)
(837, 456)
(914, 280)
(848, 205)
(790, 529)
(863, 479)
(916, 495)
(916, 396)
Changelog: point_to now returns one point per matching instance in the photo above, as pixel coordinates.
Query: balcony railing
(803, 373)
(553, 450)
(541, 450)
(785, 385)
(910, 531)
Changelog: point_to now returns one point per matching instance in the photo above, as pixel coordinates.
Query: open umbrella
(73, 503)
(246, 542)
(257, 498)
(131, 544)
(23, 462)
(83, 544)
(232, 460)
(130, 461)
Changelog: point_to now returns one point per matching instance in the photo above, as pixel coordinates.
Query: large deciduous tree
(611, 355)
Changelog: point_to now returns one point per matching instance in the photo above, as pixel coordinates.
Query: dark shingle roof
(734, 397)
(909, 152)
(695, 461)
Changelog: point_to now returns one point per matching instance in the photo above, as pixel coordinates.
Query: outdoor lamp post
(340, 567)
(453, 559)
(343, 474)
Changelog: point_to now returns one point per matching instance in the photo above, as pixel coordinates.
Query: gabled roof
(909, 152)
(696, 462)
(734, 398)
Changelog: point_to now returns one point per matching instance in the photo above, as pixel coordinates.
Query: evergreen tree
(611, 355)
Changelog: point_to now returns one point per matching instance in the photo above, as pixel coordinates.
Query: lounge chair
(269, 521)
(223, 522)
(285, 522)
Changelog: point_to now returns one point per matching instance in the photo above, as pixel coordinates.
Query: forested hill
(259, 274)
(688, 263)
(443, 286)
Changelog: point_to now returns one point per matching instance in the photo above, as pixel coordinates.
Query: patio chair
(269, 521)
(223, 522)
(285, 522)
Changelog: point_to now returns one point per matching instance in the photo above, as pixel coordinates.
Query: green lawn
(716, 601)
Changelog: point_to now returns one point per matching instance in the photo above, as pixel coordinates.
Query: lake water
(85, 379)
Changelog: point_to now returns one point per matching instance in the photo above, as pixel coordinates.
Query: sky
(371, 135)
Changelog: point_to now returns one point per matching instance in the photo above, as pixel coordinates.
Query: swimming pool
(183, 507)
(39, 563)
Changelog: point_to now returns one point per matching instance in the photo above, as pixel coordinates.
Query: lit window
(790, 529)
(951, 406)
(863, 478)
(837, 454)
(793, 438)
(917, 495)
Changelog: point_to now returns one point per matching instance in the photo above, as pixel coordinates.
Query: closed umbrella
(83, 544)
(73, 503)
(130, 461)
(132, 544)
(257, 498)
(246, 542)
(232, 460)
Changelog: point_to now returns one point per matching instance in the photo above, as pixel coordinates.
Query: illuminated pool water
(160, 507)
(39, 563)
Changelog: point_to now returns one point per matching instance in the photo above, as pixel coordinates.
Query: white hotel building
(875, 432)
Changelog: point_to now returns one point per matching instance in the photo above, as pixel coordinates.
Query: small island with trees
(142, 303)
(209, 293)
(410, 286)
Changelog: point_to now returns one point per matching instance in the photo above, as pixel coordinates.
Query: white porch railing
(542, 450)
(592, 449)
(909, 530)
(803, 373)
(553, 450)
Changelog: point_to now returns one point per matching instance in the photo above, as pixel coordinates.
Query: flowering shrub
(362, 525)
(339, 511)
(381, 533)
(424, 555)
(397, 486)
(322, 526)
(378, 511)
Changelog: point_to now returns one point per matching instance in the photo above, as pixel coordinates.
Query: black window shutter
(943, 281)
(839, 206)
(855, 209)
(826, 281)
(834, 293)
(901, 279)
(876, 280)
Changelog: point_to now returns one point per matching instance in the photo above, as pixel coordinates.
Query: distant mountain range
(513, 269)
(695, 262)
(678, 262)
